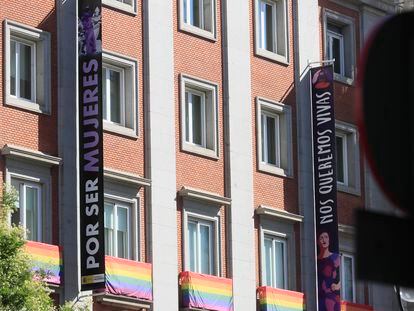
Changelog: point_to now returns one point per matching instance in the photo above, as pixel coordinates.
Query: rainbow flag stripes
(47, 258)
(349, 306)
(273, 299)
(128, 278)
(206, 292)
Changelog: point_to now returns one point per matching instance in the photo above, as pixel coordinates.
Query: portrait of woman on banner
(328, 275)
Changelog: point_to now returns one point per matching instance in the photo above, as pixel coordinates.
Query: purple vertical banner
(90, 145)
(324, 178)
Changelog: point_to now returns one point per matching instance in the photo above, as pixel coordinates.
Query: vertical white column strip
(239, 153)
(160, 151)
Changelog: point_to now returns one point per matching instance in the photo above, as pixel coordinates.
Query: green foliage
(69, 306)
(20, 289)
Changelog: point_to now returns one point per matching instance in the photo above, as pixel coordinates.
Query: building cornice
(278, 213)
(201, 195)
(22, 153)
(126, 177)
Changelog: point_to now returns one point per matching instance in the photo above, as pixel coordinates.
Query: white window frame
(201, 32)
(23, 184)
(116, 205)
(190, 117)
(352, 184)
(197, 252)
(120, 5)
(210, 146)
(276, 237)
(32, 45)
(260, 34)
(129, 101)
(40, 42)
(133, 222)
(347, 24)
(334, 35)
(264, 159)
(215, 220)
(121, 71)
(265, 106)
(343, 255)
(344, 138)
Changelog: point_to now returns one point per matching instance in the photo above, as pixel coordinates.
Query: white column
(239, 155)
(160, 151)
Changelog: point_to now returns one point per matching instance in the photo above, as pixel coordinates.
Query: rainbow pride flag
(206, 292)
(45, 257)
(274, 299)
(128, 278)
(349, 306)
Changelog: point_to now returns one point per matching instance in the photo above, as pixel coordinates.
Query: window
(29, 208)
(274, 262)
(201, 246)
(341, 159)
(274, 137)
(335, 41)
(199, 117)
(22, 69)
(117, 230)
(119, 94)
(27, 67)
(270, 138)
(198, 16)
(271, 29)
(201, 236)
(128, 6)
(340, 44)
(347, 158)
(348, 278)
(113, 95)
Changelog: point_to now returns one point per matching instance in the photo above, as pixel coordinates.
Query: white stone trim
(12, 151)
(130, 67)
(123, 302)
(285, 114)
(132, 9)
(209, 215)
(42, 74)
(347, 21)
(353, 158)
(126, 177)
(203, 86)
(40, 174)
(283, 59)
(278, 213)
(201, 195)
(210, 35)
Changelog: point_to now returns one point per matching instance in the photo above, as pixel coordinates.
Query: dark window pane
(25, 71)
(264, 137)
(196, 13)
(104, 99)
(339, 159)
(348, 280)
(192, 245)
(269, 28)
(205, 254)
(197, 119)
(13, 68)
(336, 53)
(280, 264)
(115, 78)
(271, 140)
(187, 117)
